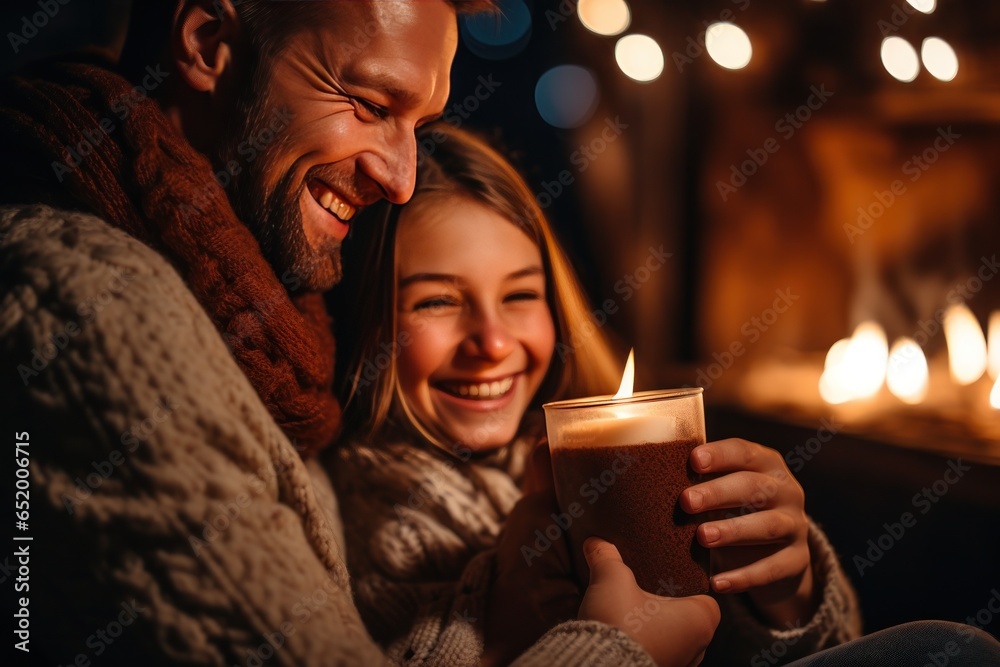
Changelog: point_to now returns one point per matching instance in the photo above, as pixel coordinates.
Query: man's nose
(488, 338)
(395, 166)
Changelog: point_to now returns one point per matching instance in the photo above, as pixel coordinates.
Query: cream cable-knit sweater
(173, 522)
(421, 529)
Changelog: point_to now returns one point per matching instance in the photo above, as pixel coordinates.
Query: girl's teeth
(484, 389)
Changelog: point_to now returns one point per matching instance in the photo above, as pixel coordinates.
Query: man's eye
(370, 109)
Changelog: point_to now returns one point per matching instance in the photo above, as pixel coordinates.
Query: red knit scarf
(144, 178)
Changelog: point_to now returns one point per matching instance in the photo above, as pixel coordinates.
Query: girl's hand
(761, 546)
(674, 631)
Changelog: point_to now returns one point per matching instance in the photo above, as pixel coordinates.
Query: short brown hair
(268, 25)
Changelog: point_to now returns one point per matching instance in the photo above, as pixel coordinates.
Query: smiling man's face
(334, 117)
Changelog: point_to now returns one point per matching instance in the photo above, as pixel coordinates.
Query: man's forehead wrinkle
(392, 77)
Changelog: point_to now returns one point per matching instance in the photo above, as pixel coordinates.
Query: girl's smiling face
(475, 328)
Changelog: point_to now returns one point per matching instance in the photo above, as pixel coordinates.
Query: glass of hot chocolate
(620, 465)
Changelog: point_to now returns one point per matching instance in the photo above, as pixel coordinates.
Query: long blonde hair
(457, 164)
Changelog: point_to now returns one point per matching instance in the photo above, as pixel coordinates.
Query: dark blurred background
(809, 166)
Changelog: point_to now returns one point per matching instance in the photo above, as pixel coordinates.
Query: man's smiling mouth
(331, 201)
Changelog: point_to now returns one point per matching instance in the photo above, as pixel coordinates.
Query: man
(163, 249)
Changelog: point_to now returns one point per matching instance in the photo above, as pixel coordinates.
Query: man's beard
(274, 216)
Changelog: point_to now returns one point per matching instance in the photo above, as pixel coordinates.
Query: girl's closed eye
(436, 304)
(523, 295)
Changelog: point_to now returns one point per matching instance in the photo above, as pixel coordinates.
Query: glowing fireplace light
(855, 367)
(834, 384)
(907, 374)
(966, 345)
(993, 356)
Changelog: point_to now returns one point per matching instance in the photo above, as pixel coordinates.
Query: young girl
(470, 319)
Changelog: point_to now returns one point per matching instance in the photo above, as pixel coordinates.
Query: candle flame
(966, 344)
(993, 356)
(628, 377)
(907, 374)
(855, 367)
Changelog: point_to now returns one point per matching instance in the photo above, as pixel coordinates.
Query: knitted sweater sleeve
(172, 521)
(742, 638)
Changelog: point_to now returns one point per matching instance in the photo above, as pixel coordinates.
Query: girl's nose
(488, 339)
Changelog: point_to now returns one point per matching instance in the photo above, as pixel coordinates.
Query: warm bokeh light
(907, 375)
(500, 35)
(639, 57)
(900, 59)
(925, 6)
(939, 58)
(566, 96)
(628, 377)
(993, 354)
(605, 17)
(995, 395)
(966, 344)
(728, 45)
(855, 367)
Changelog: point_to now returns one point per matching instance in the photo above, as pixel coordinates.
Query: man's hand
(761, 546)
(674, 631)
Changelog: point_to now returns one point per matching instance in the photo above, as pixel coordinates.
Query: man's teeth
(334, 204)
(482, 390)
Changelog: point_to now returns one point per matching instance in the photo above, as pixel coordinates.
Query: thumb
(605, 563)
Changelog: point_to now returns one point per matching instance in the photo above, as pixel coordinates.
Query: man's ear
(202, 41)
